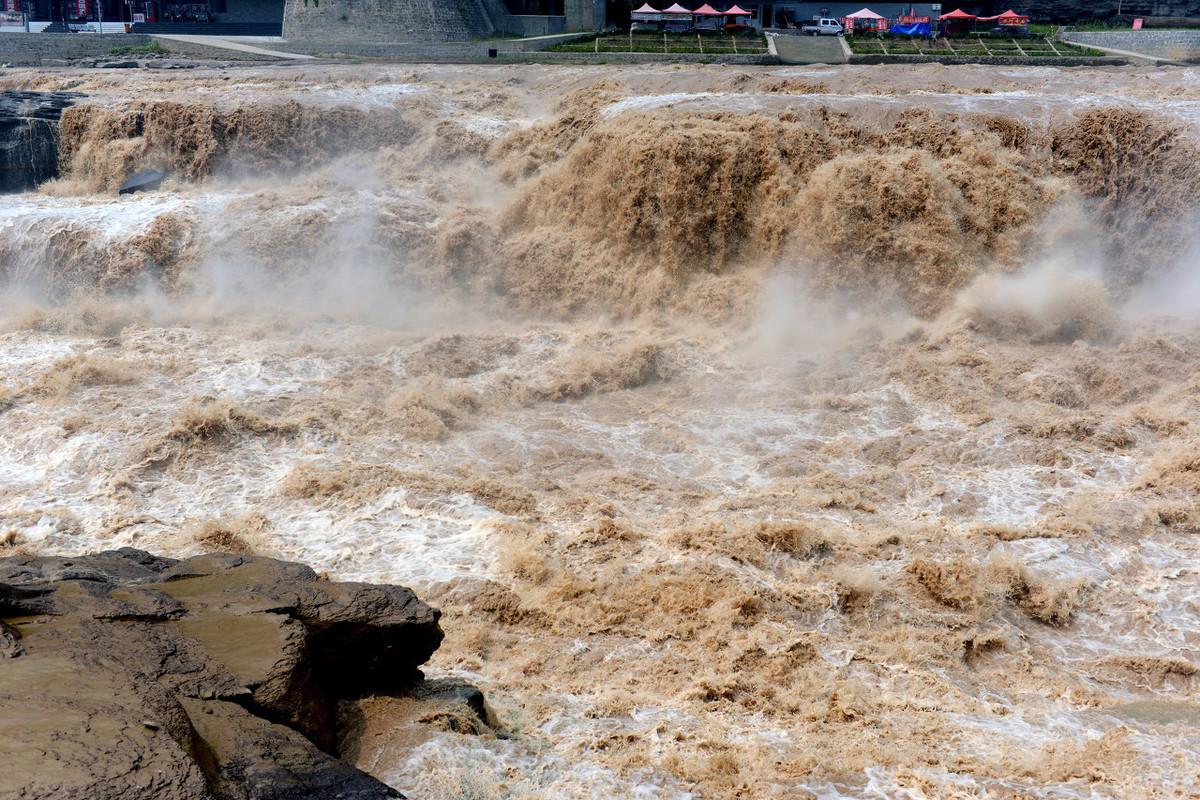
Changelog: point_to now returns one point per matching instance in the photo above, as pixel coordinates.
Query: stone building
(789, 13)
(436, 20)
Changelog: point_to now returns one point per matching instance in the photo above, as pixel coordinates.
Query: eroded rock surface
(29, 137)
(125, 675)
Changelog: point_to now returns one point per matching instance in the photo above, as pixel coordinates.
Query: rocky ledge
(125, 675)
(29, 137)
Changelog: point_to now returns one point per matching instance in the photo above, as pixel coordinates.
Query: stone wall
(1171, 45)
(585, 15)
(1029, 61)
(454, 52)
(51, 49)
(386, 20)
(428, 20)
(638, 58)
(1069, 10)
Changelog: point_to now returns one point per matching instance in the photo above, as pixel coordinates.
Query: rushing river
(783, 433)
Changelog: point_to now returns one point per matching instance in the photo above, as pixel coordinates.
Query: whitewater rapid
(698, 530)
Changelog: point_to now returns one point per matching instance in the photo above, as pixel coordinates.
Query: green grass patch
(714, 43)
(972, 46)
(151, 49)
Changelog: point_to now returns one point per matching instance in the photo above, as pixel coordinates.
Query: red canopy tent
(873, 21)
(956, 21)
(707, 18)
(731, 21)
(1009, 17)
(646, 13)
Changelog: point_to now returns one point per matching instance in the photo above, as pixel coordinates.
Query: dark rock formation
(125, 675)
(29, 137)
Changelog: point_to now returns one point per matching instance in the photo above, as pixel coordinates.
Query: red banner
(909, 19)
(81, 9)
(11, 6)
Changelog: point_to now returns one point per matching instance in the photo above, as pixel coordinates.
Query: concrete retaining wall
(51, 49)
(427, 51)
(509, 51)
(640, 58)
(1063, 61)
(1171, 45)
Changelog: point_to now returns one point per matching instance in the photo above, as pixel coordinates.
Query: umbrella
(144, 181)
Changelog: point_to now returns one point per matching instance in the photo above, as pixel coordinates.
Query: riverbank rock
(29, 137)
(126, 675)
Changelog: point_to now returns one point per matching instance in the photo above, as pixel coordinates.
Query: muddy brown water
(806, 432)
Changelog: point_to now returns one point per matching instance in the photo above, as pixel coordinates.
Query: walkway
(797, 49)
(230, 44)
(1139, 59)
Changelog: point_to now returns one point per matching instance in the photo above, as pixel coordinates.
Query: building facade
(788, 14)
(436, 20)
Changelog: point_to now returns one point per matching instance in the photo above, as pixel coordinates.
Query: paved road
(794, 49)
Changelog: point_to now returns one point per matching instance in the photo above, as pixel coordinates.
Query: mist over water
(821, 432)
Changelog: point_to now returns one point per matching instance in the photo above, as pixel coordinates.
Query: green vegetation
(705, 42)
(982, 45)
(151, 49)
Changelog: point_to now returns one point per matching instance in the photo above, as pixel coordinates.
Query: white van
(823, 27)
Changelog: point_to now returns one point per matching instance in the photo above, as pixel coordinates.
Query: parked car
(823, 27)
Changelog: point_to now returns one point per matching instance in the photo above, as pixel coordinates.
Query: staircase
(210, 28)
